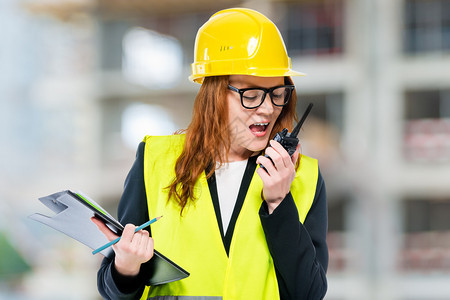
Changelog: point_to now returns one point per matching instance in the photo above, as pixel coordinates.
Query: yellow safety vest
(194, 240)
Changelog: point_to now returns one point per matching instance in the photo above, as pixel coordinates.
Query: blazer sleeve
(132, 209)
(299, 251)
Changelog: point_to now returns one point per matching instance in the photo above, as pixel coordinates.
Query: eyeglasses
(254, 97)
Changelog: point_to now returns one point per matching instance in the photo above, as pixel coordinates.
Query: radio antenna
(296, 130)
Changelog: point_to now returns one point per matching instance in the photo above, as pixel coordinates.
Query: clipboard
(73, 218)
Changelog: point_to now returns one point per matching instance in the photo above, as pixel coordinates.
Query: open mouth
(259, 129)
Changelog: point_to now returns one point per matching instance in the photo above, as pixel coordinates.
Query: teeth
(261, 124)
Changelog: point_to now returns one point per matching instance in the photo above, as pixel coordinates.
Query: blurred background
(82, 81)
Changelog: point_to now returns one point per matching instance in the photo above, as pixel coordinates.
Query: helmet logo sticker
(225, 48)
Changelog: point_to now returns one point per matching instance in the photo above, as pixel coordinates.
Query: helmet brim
(198, 78)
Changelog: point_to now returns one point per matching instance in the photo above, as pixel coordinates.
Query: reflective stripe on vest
(194, 240)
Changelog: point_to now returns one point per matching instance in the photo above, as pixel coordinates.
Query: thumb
(104, 229)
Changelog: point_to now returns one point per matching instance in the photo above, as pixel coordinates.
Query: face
(250, 128)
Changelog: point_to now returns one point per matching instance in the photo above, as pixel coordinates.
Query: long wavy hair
(208, 137)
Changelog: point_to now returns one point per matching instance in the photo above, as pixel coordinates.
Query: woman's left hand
(278, 178)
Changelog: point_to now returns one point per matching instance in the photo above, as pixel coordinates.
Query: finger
(144, 232)
(150, 248)
(267, 163)
(150, 243)
(140, 244)
(263, 174)
(282, 152)
(104, 229)
(128, 233)
(136, 241)
(142, 236)
(275, 157)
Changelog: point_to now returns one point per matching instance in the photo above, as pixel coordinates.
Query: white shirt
(228, 180)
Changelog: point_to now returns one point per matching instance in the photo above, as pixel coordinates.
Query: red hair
(208, 139)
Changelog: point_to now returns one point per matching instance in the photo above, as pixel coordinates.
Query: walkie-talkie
(288, 140)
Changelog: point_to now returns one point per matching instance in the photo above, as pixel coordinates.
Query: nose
(266, 107)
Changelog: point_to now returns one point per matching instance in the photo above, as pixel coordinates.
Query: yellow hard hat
(240, 41)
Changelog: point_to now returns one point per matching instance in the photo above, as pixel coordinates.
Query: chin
(258, 146)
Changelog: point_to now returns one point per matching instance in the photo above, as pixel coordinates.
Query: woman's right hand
(133, 249)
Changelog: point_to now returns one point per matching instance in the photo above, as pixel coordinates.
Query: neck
(239, 154)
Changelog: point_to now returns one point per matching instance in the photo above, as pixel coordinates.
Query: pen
(118, 239)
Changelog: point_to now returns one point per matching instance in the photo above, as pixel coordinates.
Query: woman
(242, 231)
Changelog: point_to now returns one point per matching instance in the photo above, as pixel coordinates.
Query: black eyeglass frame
(266, 91)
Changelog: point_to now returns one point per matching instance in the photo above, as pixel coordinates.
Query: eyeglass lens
(254, 97)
